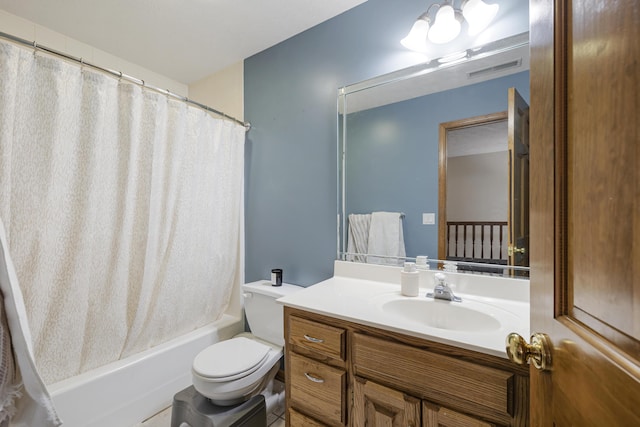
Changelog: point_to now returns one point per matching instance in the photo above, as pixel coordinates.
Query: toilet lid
(230, 359)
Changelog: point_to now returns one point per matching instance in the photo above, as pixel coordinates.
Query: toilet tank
(264, 314)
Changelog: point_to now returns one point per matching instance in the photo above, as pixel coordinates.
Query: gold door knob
(538, 352)
(515, 250)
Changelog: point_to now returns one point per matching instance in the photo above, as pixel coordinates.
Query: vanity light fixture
(447, 22)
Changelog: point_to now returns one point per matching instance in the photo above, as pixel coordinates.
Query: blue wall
(290, 100)
(392, 153)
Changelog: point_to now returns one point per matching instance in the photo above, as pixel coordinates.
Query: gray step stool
(192, 408)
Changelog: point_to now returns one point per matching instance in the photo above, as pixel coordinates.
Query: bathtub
(128, 391)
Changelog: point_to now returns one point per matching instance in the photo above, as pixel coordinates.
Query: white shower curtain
(122, 208)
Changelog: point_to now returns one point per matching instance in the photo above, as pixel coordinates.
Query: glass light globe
(416, 40)
(446, 27)
(479, 15)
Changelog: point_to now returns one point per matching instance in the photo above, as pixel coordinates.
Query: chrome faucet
(442, 291)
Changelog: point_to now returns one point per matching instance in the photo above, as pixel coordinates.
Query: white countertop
(357, 292)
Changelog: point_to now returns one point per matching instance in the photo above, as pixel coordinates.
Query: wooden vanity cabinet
(375, 377)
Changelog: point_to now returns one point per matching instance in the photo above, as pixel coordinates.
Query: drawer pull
(312, 339)
(313, 378)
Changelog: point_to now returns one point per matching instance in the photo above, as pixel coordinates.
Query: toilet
(233, 371)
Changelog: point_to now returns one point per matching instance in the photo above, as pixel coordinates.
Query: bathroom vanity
(359, 353)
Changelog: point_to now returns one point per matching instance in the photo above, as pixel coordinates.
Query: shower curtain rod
(121, 75)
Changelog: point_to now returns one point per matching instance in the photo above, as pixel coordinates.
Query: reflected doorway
(483, 197)
(473, 202)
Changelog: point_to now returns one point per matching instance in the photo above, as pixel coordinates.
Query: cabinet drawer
(318, 337)
(452, 382)
(296, 419)
(318, 389)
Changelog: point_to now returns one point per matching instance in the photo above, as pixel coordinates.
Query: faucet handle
(440, 278)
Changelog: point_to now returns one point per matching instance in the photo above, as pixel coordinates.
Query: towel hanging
(358, 239)
(386, 239)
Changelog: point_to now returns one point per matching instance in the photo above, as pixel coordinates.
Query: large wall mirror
(433, 161)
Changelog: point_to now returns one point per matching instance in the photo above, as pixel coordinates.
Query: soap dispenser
(409, 280)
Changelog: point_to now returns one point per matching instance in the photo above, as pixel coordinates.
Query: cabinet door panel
(376, 405)
(437, 416)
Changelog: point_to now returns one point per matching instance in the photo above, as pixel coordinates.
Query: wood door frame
(546, 239)
(443, 129)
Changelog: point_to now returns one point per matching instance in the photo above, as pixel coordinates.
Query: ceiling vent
(495, 68)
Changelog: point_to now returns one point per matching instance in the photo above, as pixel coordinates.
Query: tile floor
(163, 419)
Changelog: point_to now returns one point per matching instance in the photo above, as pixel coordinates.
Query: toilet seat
(231, 359)
(238, 385)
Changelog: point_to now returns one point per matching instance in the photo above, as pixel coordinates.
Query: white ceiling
(185, 40)
(481, 139)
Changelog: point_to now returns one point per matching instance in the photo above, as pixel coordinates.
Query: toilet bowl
(233, 371)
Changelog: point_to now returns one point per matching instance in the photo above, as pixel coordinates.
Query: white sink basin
(454, 316)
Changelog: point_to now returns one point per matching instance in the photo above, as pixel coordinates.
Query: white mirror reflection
(433, 163)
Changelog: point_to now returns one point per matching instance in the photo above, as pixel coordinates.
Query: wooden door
(377, 406)
(518, 205)
(585, 211)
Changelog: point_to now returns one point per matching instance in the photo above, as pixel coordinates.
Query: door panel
(518, 138)
(602, 157)
(585, 211)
